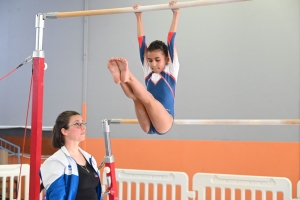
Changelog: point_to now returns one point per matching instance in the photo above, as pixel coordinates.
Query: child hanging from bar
(154, 106)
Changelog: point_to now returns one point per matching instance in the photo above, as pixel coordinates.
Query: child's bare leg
(114, 70)
(128, 91)
(140, 110)
(160, 118)
(142, 115)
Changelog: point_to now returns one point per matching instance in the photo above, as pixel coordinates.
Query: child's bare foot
(114, 70)
(123, 66)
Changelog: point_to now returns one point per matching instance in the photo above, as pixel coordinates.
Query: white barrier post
(9, 173)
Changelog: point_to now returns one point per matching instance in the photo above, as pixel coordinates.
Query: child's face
(157, 60)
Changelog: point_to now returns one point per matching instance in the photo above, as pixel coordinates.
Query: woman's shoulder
(58, 156)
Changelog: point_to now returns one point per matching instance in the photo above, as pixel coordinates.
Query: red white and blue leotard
(162, 86)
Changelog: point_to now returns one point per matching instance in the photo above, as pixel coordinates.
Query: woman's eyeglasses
(78, 125)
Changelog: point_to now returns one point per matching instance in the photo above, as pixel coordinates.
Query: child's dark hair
(62, 121)
(158, 45)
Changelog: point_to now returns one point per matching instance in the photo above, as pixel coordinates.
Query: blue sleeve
(171, 45)
(142, 47)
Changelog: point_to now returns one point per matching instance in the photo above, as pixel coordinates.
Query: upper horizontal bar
(219, 121)
(44, 128)
(54, 15)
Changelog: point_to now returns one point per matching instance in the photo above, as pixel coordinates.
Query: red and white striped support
(109, 164)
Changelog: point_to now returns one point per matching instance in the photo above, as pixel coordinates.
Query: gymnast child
(154, 106)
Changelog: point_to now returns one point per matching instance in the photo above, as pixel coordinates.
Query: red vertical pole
(113, 194)
(109, 162)
(37, 110)
(36, 127)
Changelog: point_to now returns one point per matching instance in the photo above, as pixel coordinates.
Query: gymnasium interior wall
(238, 61)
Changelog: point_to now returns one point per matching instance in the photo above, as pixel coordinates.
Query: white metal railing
(166, 185)
(228, 185)
(155, 179)
(9, 174)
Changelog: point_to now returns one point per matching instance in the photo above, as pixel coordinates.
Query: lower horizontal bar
(219, 121)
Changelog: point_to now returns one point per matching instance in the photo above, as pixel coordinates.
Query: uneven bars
(55, 15)
(219, 121)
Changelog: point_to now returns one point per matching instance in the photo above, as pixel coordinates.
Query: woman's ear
(63, 131)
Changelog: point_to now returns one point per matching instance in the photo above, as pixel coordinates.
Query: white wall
(238, 61)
